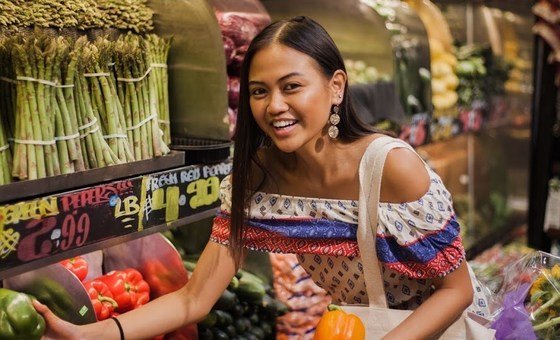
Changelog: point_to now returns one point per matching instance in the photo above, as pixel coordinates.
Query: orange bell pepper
(339, 325)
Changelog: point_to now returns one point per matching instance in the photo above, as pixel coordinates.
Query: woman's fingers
(39, 307)
(44, 311)
(56, 327)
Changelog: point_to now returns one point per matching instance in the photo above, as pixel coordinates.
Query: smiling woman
(295, 188)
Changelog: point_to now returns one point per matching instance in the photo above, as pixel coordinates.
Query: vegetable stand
(94, 211)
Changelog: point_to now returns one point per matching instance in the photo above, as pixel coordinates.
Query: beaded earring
(334, 119)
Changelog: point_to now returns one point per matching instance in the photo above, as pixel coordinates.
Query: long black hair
(306, 36)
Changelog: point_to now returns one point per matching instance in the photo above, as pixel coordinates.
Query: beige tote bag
(377, 317)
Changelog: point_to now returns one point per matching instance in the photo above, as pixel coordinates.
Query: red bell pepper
(161, 277)
(129, 289)
(101, 298)
(77, 265)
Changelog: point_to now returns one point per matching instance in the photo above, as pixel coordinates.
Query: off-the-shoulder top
(416, 242)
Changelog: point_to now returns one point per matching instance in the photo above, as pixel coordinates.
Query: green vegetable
(224, 318)
(54, 295)
(242, 325)
(210, 320)
(274, 307)
(18, 318)
(258, 332)
(189, 266)
(230, 330)
(254, 318)
(219, 334)
(465, 68)
(237, 310)
(251, 288)
(267, 329)
(234, 283)
(226, 301)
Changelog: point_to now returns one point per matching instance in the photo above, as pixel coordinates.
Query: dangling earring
(334, 119)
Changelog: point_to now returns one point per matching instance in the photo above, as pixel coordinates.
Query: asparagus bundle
(35, 154)
(132, 15)
(51, 13)
(139, 95)
(96, 148)
(105, 104)
(11, 13)
(87, 14)
(64, 106)
(157, 50)
(5, 157)
(71, 106)
(83, 14)
(7, 87)
(5, 106)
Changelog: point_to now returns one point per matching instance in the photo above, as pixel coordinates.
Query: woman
(298, 146)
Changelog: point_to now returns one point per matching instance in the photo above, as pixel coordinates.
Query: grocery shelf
(55, 184)
(503, 235)
(41, 231)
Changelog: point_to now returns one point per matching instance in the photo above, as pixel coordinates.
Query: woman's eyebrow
(292, 74)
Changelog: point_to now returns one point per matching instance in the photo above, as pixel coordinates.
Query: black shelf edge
(52, 185)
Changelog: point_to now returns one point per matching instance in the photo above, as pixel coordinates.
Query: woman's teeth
(283, 123)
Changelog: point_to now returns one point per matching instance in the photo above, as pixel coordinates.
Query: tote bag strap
(370, 172)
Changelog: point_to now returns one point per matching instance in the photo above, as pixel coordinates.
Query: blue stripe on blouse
(421, 251)
(388, 250)
(308, 228)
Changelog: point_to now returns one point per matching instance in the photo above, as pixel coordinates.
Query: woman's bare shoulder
(405, 177)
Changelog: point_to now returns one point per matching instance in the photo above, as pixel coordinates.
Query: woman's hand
(56, 327)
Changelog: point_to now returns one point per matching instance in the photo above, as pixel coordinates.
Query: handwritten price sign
(32, 230)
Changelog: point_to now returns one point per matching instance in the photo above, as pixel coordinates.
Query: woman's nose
(277, 103)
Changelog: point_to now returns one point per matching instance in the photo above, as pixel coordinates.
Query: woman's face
(290, 97)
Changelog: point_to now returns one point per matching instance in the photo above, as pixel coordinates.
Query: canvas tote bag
(378, 319)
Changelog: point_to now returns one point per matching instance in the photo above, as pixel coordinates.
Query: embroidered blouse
(416, 242)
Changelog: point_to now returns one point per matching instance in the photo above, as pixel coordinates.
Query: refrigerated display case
(409, 41)
(490, 164)
(444, 81)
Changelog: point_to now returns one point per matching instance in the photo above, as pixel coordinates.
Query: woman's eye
(292, 86)
(257, 92)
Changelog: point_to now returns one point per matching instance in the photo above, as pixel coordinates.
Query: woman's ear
(338, 82)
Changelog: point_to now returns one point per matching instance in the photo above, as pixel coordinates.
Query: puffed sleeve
(221, 224)
(420, 239)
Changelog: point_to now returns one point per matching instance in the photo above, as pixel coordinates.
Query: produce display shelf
(502, 235)
(56, 184)
(42, 231)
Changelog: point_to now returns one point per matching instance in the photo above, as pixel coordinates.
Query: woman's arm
(406, 179)
(454, 293)
(191, 303)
